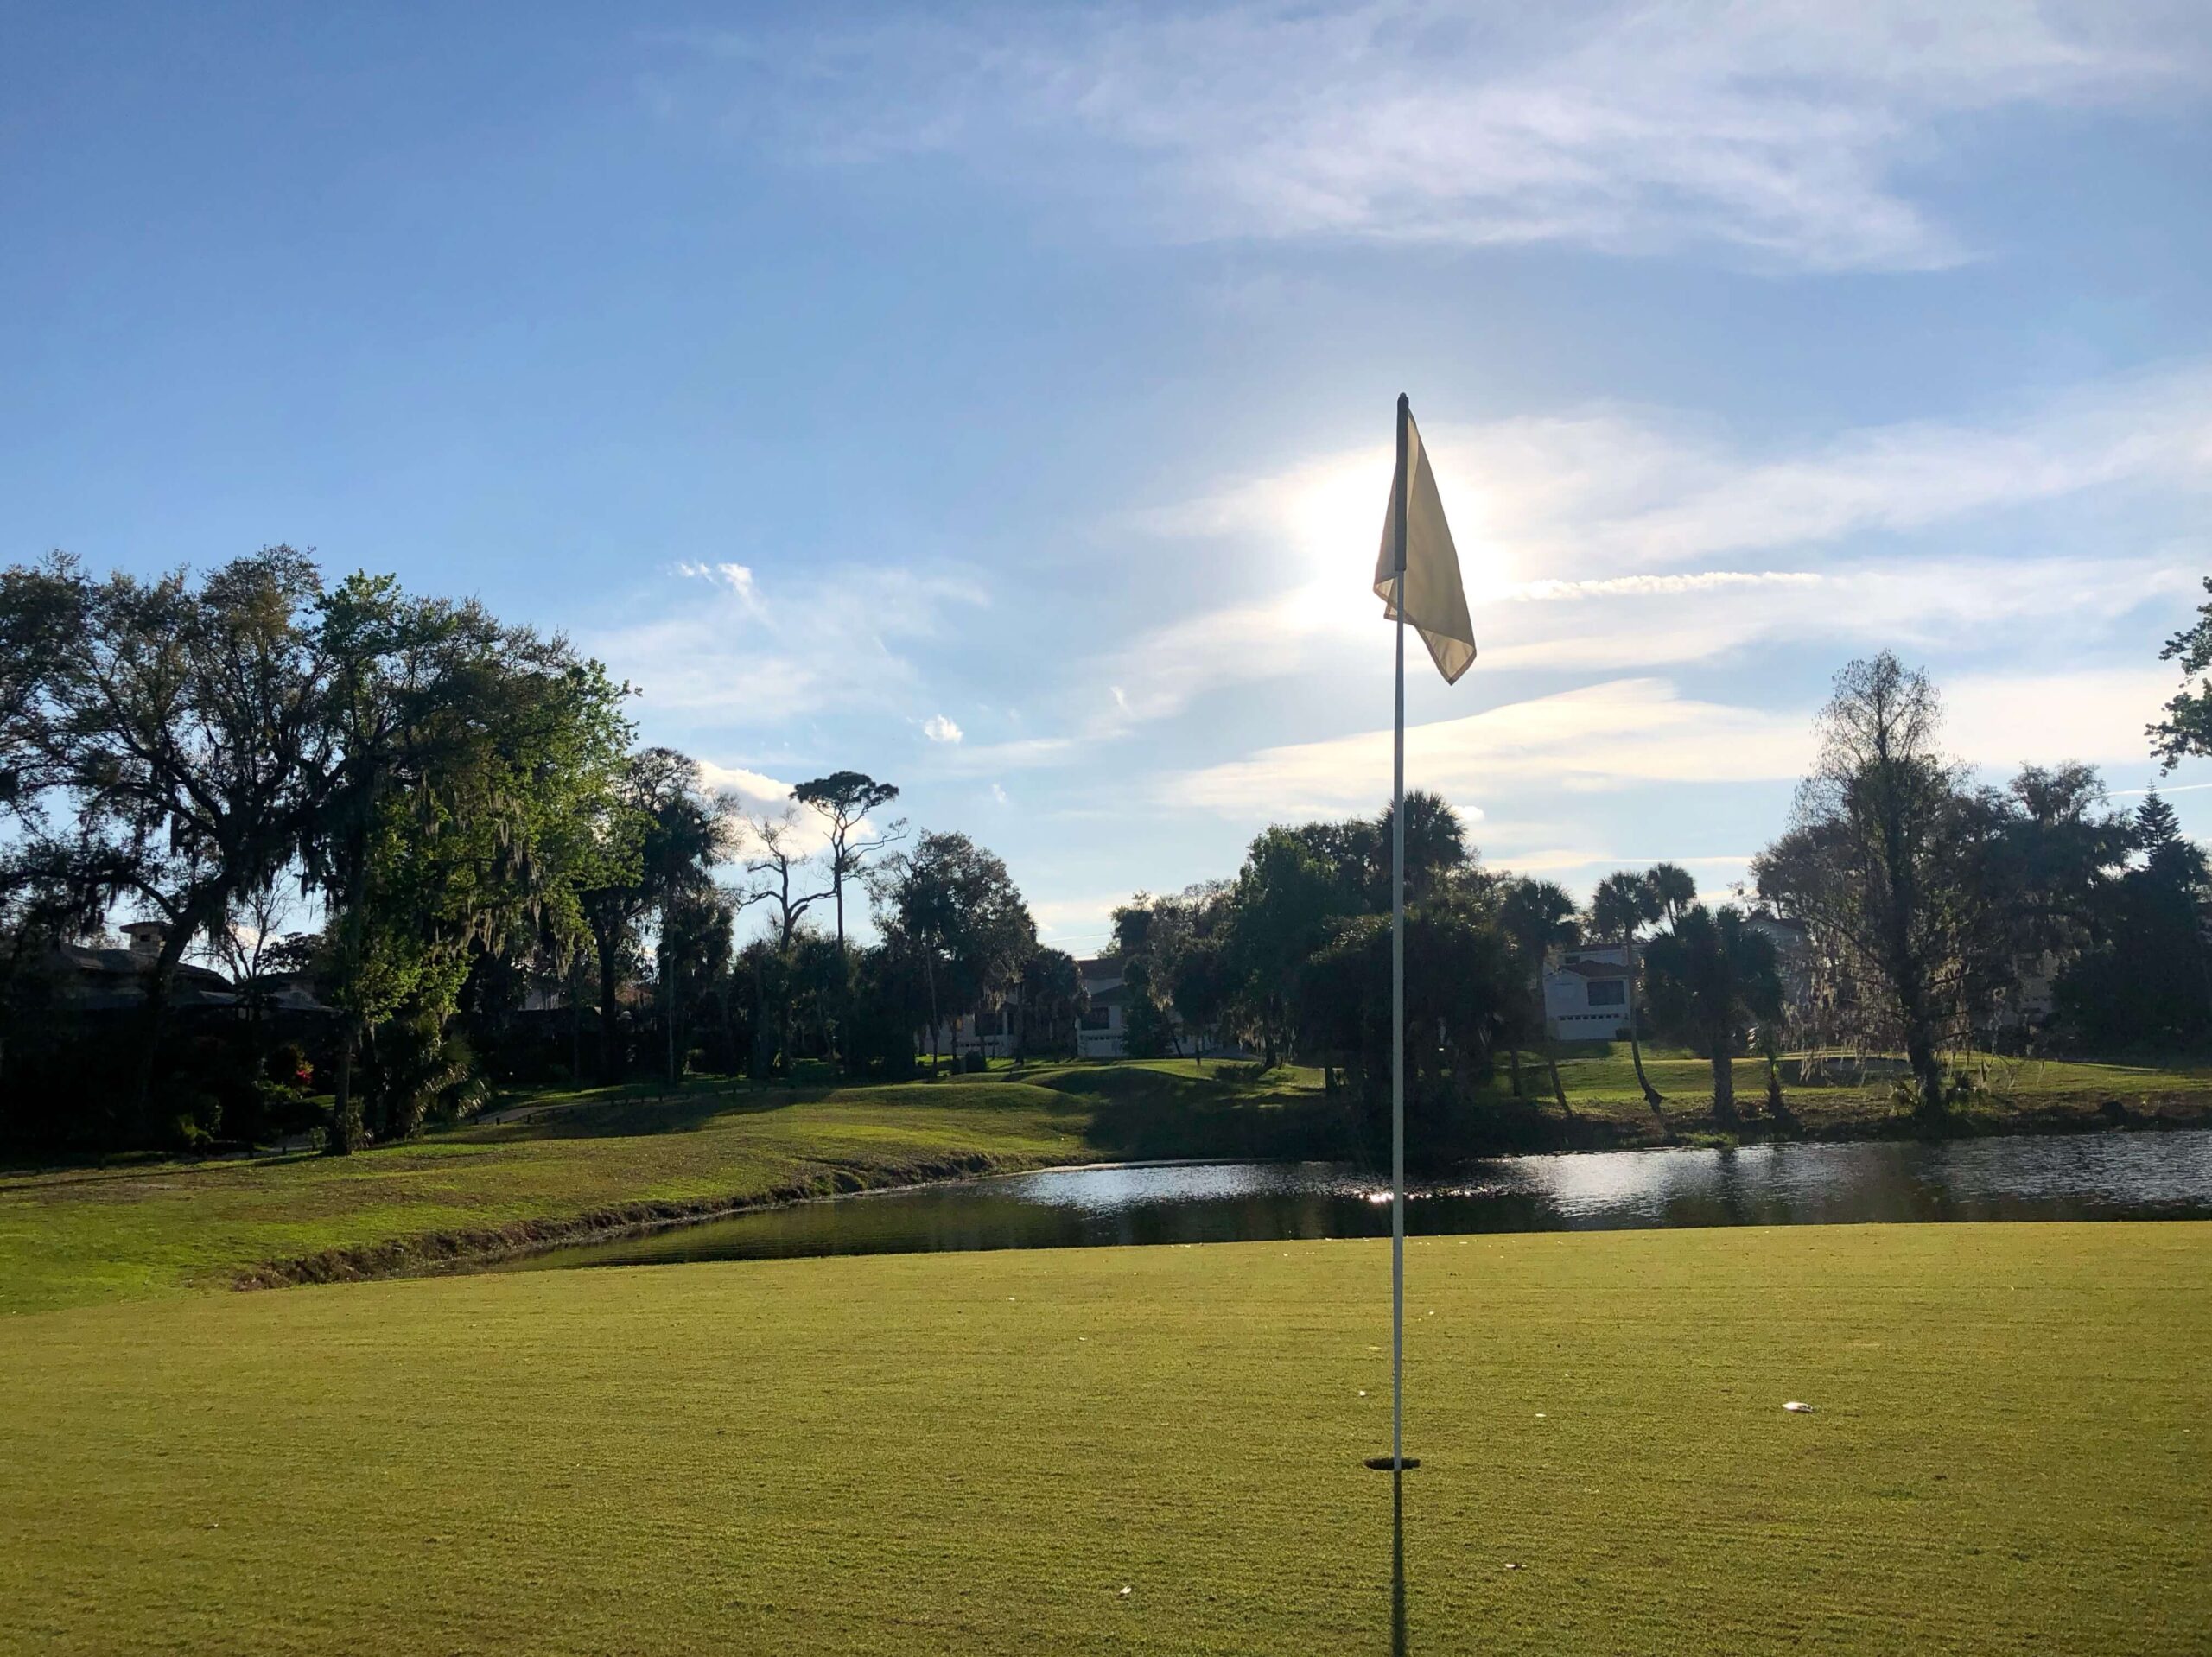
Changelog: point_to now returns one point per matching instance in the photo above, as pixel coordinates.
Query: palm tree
(1715, 975)
(1673, 886)
(1622, 906)
(1538, 915)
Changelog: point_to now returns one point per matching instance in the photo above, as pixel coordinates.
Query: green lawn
(68, 1236)
(977, 1452)
(139, 1226)
(2020, 1093)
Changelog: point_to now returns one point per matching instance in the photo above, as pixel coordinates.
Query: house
(1586, 993)
(995, 1030)
(1793, 959)
(1585, 989)
(1101, 1028)
(91, 979)
(1100, 1031)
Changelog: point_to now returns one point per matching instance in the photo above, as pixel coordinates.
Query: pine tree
(2157, 826)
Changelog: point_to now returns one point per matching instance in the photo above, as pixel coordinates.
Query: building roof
(99, 981)
(1595, 968)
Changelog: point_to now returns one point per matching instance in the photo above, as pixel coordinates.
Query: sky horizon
(998, 401)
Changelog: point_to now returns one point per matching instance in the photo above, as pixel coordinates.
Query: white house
(1098, 1032)
(1585, 989)
(1586, 993)
(1100, 1029)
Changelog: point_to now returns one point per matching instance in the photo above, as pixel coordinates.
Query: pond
(2058, 1176)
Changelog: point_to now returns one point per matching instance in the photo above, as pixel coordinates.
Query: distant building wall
(1586, 993)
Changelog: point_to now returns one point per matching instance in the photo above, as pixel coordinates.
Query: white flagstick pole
(1398, 973)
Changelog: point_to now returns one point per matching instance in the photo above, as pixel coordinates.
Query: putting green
(2011, 1451)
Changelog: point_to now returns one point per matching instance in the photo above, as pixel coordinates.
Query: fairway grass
(977, 1452)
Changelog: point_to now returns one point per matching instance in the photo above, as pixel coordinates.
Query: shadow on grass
(1397, 1564)
(1140, 1114)
(686, 1112)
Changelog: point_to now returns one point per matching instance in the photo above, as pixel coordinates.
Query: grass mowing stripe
(976, 1452)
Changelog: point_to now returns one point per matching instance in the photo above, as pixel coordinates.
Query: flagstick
(1403, 488)
(1398, 980)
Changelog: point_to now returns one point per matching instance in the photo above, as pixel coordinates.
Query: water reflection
(2068, 1177)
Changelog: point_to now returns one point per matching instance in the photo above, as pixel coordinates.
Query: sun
(1333, 514)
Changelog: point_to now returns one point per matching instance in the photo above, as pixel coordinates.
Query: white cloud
(753, 789)
(1628, 732)
(1559, 519)
(937, 728)
(998, 793)
(1785, 132)
(738, 578)
(1625, 730)
(737, 653)
(1704, 581)
(2098, 715)
(1608, 492)
(760, 795)
(1021, 753)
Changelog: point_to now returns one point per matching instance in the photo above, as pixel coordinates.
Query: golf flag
(1436, 604)
(1417, 578)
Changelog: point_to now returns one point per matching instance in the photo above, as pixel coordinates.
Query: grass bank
(71, 1235)
(574, 1164)
(2011, 1096)
(979, 1452)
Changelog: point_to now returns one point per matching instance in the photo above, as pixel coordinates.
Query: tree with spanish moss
(1874, 862)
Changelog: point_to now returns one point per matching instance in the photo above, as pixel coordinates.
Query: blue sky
(997, 399)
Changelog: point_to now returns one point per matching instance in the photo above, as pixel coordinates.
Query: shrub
(289, 1066)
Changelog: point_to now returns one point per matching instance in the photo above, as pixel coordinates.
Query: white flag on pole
(1436, 603)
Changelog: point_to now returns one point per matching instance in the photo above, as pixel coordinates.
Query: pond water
(2059, 1176)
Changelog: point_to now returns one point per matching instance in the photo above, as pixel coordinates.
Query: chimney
(146, 938)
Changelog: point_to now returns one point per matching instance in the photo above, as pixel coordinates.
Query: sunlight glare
(1334, 517)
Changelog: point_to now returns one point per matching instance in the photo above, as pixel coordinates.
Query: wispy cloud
(1704, 581)
(1559, 519)
(937, 728)
(742, 653)
(1593, 493)
(738, 578)
(1018, 753)
(1627, 732)
(1785, 132)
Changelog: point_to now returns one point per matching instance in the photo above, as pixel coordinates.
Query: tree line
(1907, 910)
(500, 885)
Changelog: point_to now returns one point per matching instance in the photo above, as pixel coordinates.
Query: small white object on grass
(1126, 1590)
(1797, 1408)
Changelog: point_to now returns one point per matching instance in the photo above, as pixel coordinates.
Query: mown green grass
(1609, 1076)
(70, 1236)
(976, 1452)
